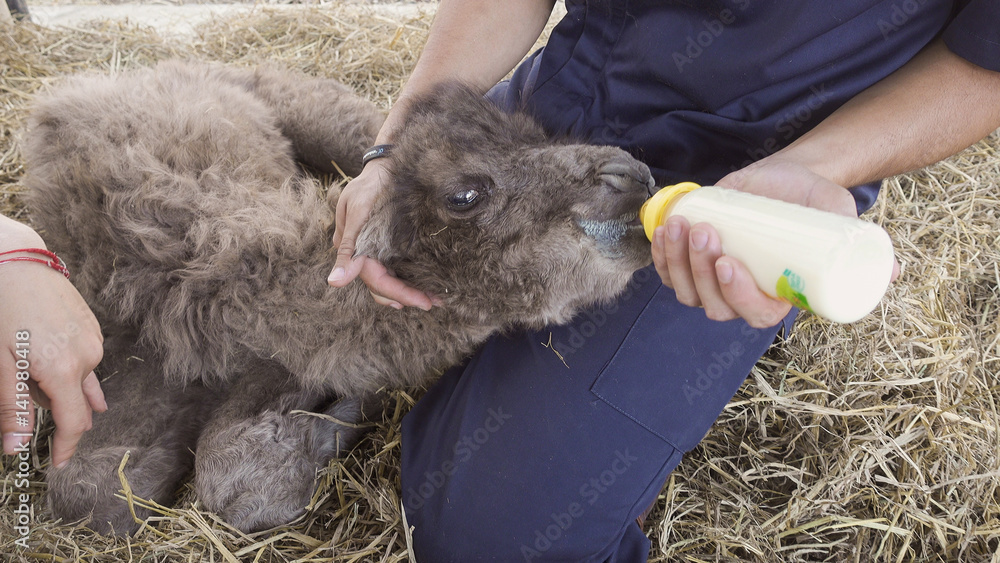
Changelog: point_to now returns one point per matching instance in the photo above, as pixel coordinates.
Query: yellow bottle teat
(652, 212)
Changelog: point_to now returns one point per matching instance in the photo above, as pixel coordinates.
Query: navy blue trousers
(547, 445)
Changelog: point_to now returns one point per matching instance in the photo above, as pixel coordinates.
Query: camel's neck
(339, 338)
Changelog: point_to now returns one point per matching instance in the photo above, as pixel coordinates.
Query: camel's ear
(389, 233)
(333, 196)
(402, 219)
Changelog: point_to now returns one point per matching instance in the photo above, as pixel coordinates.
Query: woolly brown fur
(176, 196)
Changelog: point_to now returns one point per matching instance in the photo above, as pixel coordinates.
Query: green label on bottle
(790, 287)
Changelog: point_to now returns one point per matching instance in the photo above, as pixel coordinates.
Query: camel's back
(164, 183)
(185, 117)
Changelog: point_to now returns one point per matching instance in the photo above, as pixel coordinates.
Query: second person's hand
(50, 343)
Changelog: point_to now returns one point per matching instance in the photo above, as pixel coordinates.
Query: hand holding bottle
(689, 257)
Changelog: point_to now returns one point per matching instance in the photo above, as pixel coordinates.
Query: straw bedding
(874, 441)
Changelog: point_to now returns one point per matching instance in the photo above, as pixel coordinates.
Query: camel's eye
(464, 199)
(468, 192)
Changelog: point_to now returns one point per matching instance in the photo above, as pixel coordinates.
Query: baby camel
(174, 195)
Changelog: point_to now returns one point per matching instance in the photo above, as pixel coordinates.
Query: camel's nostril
(626, 176)
(619, 182)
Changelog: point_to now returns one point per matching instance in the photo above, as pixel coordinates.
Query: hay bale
(872, 441)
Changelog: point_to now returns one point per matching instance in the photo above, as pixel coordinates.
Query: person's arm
(931, 108)
(476, 42)
(47, 327)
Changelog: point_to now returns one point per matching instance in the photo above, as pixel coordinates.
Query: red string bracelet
(53, 262)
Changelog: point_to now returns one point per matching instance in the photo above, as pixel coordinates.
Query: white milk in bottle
(836, 266)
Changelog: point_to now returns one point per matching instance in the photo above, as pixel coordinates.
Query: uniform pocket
(676, 369)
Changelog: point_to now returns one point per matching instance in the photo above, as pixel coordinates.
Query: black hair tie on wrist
(378, 151)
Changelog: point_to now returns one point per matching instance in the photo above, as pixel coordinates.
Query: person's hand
(353, 209)
(689, 258)
(46, 323)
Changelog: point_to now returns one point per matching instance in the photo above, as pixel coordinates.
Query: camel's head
(503, 223)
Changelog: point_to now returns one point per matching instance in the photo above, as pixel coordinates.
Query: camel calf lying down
(175, 195)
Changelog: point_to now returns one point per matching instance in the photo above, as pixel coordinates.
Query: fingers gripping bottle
(838, 267)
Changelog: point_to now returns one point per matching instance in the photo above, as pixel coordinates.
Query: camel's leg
(257, 460)
(156, 425)
(325, 120)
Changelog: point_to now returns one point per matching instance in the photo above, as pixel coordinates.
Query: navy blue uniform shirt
(698, 89)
